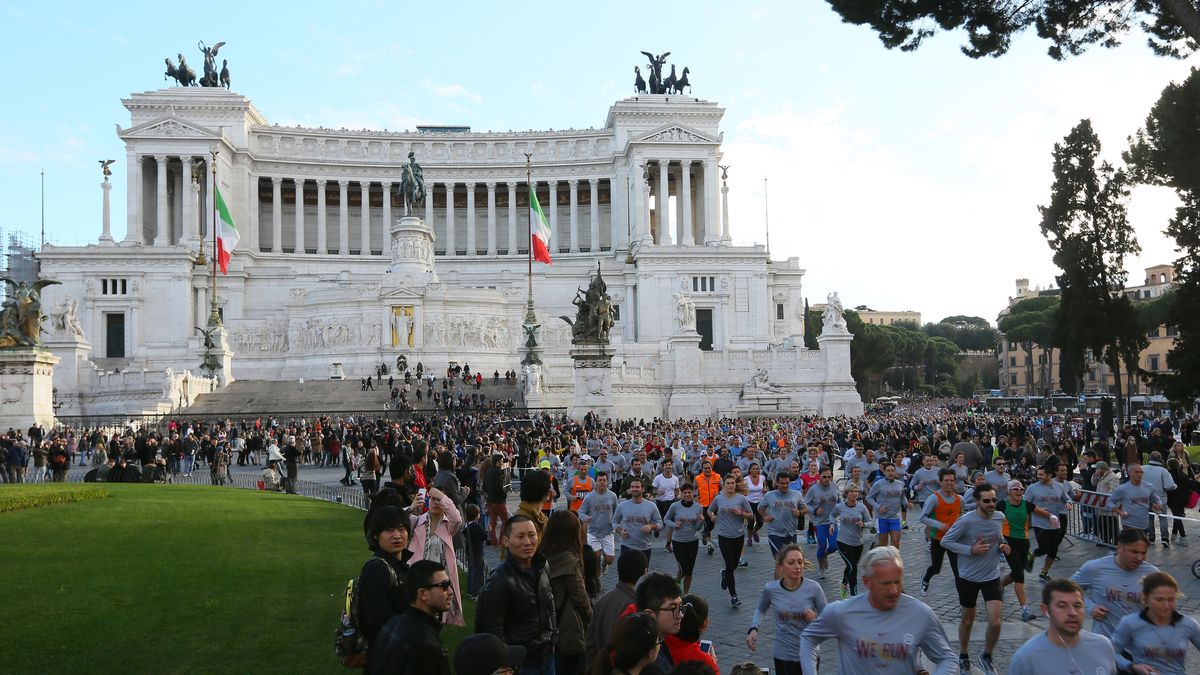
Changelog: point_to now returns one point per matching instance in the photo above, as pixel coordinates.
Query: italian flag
(539, 230)
(227, 234)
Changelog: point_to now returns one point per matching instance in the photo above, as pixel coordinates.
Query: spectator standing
(517, 603)
(631, 566)
(563, 550)
(433, 539)
(409, 643)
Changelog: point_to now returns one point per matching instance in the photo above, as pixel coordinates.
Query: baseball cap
(484, 654)
(545, 464)
(1100, 465)
(1015, 485)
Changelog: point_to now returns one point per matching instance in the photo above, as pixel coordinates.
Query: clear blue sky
(901, 180)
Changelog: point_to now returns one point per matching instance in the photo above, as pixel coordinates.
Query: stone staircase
(254, 397)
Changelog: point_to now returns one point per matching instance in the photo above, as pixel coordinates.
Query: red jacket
(681, 651)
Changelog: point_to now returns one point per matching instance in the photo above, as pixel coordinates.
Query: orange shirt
(579, 490)
(945, 512)
(707, 488)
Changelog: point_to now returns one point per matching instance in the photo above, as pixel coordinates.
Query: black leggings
(758, 519)
(787, 667)
(850, 554)
(1177, 525)
(936, 553)
(685, 556)
(731, 549)
(1017, 550)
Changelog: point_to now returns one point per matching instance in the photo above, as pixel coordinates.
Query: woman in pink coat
(433, 539)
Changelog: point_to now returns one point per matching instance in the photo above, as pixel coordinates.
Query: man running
(1065, 647)
(821, 498)
(880, 631)
(1049, 497)
(977, 538)
(708, 485)
(596, 512)
(938, 512)
(636, 519)
(886, 497)
(1132, 501)
(781, 508)
(1113, 584)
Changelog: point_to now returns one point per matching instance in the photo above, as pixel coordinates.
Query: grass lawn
(179, 579)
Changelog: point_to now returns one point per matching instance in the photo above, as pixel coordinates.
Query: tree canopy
(1172, 27)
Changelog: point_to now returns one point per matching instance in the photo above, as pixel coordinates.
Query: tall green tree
(1032, 323)
(1165, 152)
(812, 323)
(1172, 27)
(871, 353)
(1087, 228)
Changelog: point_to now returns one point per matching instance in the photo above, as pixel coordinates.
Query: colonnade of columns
(694, 218)
(165, 207)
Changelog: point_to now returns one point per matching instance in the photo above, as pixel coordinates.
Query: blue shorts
(889, 525)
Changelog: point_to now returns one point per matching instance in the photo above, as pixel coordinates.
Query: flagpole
(214, 316)
(531, 324)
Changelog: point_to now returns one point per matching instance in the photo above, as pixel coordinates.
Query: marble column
(322, 219)
(188, 231)
(387, 212)
(662, 204)
(471, 219)
(429, 188)
(133, 199)
(276, 215)
(644, 234)
(451, 246)
(685, 202)
(573, 186)
(594, 215)
(491, 218)
(343, 217)
(106, 214)
(365, 240)
(210, 200)
(202, 308)
(253, 236)
(299, 246)
(193, 198)
(552, 204)
(711, 221)
(161, 235)
(513, 246)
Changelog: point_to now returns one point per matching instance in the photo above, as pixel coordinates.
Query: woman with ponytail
(635, 644)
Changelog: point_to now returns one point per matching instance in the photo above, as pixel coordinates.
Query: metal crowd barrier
(353, 497)
(1092, 520)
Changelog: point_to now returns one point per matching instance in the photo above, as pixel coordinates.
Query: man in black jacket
(409, 643)
(517, 604)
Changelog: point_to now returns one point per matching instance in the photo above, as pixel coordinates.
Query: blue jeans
(826, 540)
(188, 463)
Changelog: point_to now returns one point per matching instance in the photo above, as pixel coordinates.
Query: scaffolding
(18, 258)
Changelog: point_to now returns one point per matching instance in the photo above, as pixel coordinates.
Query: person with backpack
(410, 642)
(381, 581)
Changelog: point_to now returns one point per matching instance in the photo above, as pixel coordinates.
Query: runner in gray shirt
(925, 481)
(1113, 584)
(596, 512)
(851, 516)
(780, 509)
(881, 631)
(685, 522)
(732, 511)
(1065, 648)
(636, 519)
(998, 478)
(795, 602)
(1158, 637)
(886, 497)
(1132, 501)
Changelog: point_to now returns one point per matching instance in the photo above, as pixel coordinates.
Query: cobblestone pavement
(728, 626)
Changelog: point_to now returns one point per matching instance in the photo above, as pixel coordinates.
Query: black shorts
(1048, 541)
(1018, 549)
(968, 591)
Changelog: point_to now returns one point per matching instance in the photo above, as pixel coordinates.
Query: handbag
(1193, 499)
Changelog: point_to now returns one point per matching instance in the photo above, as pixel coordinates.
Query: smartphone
(706, 646)
(424, 495)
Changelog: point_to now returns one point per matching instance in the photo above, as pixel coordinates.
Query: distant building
(879, 317)
(1015, 362)
(18, 259)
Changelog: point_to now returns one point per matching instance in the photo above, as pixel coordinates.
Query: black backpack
(349, 643)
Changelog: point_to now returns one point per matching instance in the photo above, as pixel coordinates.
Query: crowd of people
(989, 493)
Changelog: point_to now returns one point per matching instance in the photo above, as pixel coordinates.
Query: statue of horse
(412, 185)
(225, 73)
(185, 76)
(682, 81)
(668, 84)
(639, 84)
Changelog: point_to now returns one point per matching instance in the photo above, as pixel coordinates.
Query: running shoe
(1166, 544)
(924, 589)
(1183, 540)
(964, 663)
(985, 662)
(821, 573)
(750, 540)
(845, 593)
(1044, 577)
(756, 537)
(742, 563)
(1029, 562)
(734, 602)
(1026, 615)
(710, 548)
(724, 584)
(670, 548)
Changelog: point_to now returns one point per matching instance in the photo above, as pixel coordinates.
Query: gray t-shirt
(1136, 501)
(1092, 655)
(886, 497)
(597, 512)
(1052, 497)
(780, 507)
(687, 521)
(846, 518)
(1118, 590)
(1164, 648)
(965, 533)
(924, 483)
(632, 517)
(729, 523)
(822, 499)
(998, 481)
(788, 606)
(879, 642)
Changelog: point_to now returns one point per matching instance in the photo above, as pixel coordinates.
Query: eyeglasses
(987, 501)
(445, 585)
(677, 610)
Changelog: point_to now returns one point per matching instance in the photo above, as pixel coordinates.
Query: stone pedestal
(220, 351)
(335, 372)
(26, 387)
(533, 388)
(593, 381)
(74, 373)
(411, 251)
(839, 395)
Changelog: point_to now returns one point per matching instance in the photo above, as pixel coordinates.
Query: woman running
(1157, 638)
(851, 516)
(797, 602)
(685, 522)
(1018, 514)
(756, 484)
(732, 512)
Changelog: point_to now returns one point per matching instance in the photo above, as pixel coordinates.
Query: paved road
(728, 625)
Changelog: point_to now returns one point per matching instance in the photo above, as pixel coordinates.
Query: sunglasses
(445, 585)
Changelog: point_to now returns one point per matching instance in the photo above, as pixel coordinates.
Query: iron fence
(340, 495)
